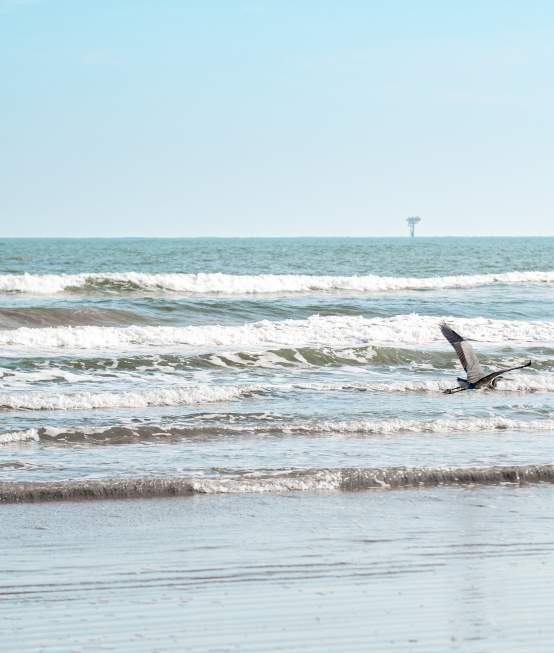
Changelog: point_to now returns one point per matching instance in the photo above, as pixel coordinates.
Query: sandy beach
(443, 569)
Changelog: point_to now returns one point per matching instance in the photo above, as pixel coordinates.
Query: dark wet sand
(442, 569)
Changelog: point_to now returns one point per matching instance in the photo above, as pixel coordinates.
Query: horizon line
(406, 237)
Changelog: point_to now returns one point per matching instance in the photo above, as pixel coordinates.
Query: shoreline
(278, 481)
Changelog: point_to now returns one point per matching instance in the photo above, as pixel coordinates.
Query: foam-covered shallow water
(141, 359)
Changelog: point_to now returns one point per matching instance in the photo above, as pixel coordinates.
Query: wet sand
(438, 569)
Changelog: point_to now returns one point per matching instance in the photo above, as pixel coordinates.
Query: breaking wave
(230, 284)
(234, 426)
(173, 396)
(19, 436)
(316, 331)
(208, 393)
(278, 481)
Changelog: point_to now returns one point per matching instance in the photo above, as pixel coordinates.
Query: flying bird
(476, 376)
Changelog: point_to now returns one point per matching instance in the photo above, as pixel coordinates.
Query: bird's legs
(451, 391)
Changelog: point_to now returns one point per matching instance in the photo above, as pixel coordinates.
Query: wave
(13, 318)
(173, 396)
(318, 331)
(207, 393)
(19, 436)
(84, 368)
(231, 284)
(40, 368)
(214, 425)
(278, 481)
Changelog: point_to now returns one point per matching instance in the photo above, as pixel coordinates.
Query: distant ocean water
(240, 365)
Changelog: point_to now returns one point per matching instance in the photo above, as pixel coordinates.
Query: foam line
(208, 393)
(332, 331)
(219, 425)
(231, 284)
(19, 436)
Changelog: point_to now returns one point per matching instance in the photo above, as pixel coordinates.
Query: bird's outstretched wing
(465, 352)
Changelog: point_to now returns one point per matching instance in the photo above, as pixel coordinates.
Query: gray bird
(476, 377)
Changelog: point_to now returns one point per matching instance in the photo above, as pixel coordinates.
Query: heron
(476, 377)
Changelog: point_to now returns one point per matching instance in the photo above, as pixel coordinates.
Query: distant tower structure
(412, 222)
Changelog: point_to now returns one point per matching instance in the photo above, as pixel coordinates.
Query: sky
(282, 118)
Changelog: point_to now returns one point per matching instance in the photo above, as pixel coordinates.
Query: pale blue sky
(246, 118)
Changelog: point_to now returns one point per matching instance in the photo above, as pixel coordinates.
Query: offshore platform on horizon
(412, 221)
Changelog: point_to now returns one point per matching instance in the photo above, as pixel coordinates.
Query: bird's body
(476, 376)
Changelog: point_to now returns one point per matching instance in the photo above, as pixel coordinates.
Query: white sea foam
(289, 427)
(332, 331)
(526, 383)
(514, 383)
(393, 426)
(230, 284)
(174, 396)
(15, 377)
(19, 436)
(206, 393)
(326, 480)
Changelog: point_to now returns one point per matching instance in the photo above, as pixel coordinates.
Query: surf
(278, 481)
(217, 283)
(334, 331)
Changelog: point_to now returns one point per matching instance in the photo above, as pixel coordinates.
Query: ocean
(272, 374)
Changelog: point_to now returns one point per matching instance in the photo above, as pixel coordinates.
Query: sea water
(244, 365)
(268, 382)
